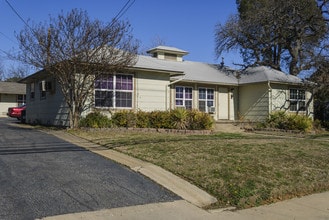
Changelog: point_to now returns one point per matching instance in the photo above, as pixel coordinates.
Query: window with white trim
(297, 100)
(183, 97)
(206, 99)
(114, 91)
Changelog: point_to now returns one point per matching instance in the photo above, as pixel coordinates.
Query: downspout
(229, 103)
(169, 84)
(270, 98)
(237, 114)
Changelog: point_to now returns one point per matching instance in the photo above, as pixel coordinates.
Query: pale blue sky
(185, 24)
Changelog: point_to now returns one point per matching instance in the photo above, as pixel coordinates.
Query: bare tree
(158, 41)
(76, 50)
(275, 33)
(155, 41)
(16, 73)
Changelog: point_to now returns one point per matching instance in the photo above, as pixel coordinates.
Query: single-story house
(12, 94)
(164, 81)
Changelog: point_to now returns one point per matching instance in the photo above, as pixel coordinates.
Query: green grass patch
(242, 170)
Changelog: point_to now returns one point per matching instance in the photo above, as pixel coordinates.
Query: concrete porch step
(228, 126)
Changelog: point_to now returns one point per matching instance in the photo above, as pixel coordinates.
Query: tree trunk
(294, 51)
(74, 117)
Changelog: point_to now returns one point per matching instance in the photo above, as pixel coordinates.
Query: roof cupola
(167, 53)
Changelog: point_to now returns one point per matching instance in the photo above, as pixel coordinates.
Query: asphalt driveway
(41, 175)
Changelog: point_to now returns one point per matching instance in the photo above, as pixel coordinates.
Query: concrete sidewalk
(309, 207)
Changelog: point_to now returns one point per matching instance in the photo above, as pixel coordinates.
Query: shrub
(194, 119)
(199, 120)
(142, 119)
(300, 122)
(281, 120)
(179, 118)
(160, 119)
(95, 120)
(204, 121)
(124, 118)
(277, 120)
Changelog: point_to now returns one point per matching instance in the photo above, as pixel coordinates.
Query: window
(206, 99)
(114, 91)
(184, 97)
(42, 89)
(32, 91)
(297, 100)
(21, 99)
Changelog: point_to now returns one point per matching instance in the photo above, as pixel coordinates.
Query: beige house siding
(50, 109)
(253, 102)
(151, 91)
(256, 101)
(149, 95)
(279, 101)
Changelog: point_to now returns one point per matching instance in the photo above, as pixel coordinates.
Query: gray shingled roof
(192, 71)
(12, 88)
(205, 73)
(266, 74)
(151, 63)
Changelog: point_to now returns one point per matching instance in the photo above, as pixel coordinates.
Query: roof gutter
(212, 83)
(171, 72)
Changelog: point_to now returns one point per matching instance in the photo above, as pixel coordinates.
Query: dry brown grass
(241, 170)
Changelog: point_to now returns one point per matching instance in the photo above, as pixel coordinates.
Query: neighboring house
(164, 81)
(12, 94)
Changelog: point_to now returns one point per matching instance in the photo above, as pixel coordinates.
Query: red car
(16, 112)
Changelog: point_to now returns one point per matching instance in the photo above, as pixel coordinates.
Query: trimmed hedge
(176, 119)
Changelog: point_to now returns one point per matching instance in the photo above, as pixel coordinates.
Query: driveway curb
(177, 185)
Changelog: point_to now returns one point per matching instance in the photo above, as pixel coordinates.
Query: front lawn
(241, 170)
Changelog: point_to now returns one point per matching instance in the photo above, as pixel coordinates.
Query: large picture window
(114, 91)
(206, 99)
(183, 97)
(297, 100)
